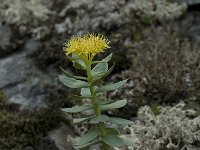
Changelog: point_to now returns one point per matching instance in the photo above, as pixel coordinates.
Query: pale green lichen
(174, 128)
(93, 15)
(23, 11)
(161, 10)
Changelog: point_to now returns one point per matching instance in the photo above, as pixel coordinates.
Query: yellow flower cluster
(86, 46)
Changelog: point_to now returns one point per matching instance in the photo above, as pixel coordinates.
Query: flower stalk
(95, 104)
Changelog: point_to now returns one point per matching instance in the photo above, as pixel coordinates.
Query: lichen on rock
(91, 15)
(161, 10)
(22, 12)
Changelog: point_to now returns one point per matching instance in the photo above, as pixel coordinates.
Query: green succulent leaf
(111, 131)
(128, 142)
(103, 74)
(78, 65)
(108, 58)
(100, 67)
(86, 92)
(113, 140)
(77, 62)
(87, 144)
(88, 137)
(105, 102)
(105, 60)
(77, 109)
(120, 121)
(110, 87)
(72, 83)
(80, 120)
(114, 105)
(72, 58)
(97, 119)
(77, 97)
(72, 76)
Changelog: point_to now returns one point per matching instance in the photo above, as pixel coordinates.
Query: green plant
(2, 97)
(82, 50)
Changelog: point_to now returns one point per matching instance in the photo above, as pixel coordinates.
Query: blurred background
(155, 43)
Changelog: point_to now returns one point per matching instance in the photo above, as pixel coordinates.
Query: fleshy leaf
(113, 140)
(79, 120)
(103, 74)
(110, 87)
(77, 65)
(100, 67)
(120, 121)
(86, 92)
(105, 102)
(105, 60)
(108, 58)
(111, 131)
(88, 137)
(97, 119)
(114, 105)
(128, 142)
(72, 58)
(77, 62)
(77, 97)
(72, 83)
(77, 109)
(87, 144)
(72, 76)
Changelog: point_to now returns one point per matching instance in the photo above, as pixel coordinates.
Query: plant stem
(95, 104)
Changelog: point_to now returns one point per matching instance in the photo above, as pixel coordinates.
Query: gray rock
(22, 81)
(189, 2)
(31, 46)
(93, 16)
(194, 33)
(59, 136)
(5, 37)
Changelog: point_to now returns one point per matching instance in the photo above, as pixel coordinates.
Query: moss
(155, 108)
(165, 70)
(2, 97)
(23, 130)
(138, 36)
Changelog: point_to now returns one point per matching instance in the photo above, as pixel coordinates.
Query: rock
(5, 37)
(21, 12)
(59, 136)
(189, 2)
(194, 33)
(31, 46)
(64, 26)
(91, 16)
(22, 81)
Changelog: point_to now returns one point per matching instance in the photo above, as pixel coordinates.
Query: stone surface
(189, 2)
(92, 16)
(59, 136)
(22, 81)
(5, 37)
(24, 12)
(194, 33)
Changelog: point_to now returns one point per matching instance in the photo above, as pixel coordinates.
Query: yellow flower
(86, 46)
